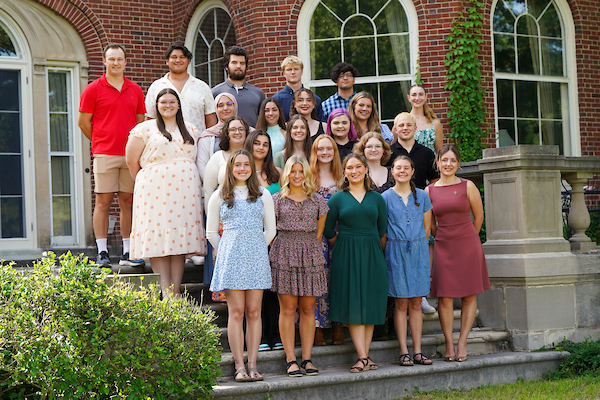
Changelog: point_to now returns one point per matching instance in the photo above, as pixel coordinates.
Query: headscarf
(215, 130)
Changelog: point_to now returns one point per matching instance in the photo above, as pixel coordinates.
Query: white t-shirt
(196, 100)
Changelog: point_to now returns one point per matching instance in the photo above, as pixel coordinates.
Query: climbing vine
(466, 102)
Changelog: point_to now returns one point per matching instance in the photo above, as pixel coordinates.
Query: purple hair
(352, 136)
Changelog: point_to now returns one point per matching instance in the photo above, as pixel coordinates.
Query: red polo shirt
(114, 113)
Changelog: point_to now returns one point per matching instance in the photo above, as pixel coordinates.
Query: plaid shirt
(333, 102)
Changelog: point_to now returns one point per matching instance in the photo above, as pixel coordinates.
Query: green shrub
(65, 333)
(584, 359)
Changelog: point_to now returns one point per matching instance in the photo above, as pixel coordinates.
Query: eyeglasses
(169, 102)
(374, 147)
(240, 129)
(228, 104)
(346, 75)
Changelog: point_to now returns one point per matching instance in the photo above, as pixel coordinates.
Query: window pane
(61, 216)
(324, 55)
(11, 217)
(342, 8)
(527, 104)
(9, 87)
(223, 22)
(529, 62)
(552, 133)
(324, 24)
(370, 7)
(394, 55)
(504, 21)
(202, 73)
(505, 98)
(57, 92)
(550, 23)
(59, 132)
(358, 26)
(11, 183)
(516, 6)
(217, 73)
(394, 101)
(361, 53)
(7, 48)
(506, 132)
(535, 7)
(61, 175)
(550, 98)
(201, 51)
(207, 26)
(324, 91)
(528, 132)
(552, 57)
(527, 26)
(392, 19)
(504, 53)
(230, 39)
(10, 132)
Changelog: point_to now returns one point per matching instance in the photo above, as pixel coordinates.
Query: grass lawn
(586, 387)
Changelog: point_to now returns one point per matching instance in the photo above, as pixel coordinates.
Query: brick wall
(267, 30)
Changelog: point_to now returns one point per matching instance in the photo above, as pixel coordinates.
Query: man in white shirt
(197, 103)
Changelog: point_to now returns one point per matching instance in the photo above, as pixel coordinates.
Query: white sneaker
(197, 260)
(426, 307)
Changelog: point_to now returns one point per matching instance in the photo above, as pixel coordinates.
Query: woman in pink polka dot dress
(167, 211)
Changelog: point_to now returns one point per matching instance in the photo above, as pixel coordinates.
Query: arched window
(531, 74)
(213, 34)
(377, 36)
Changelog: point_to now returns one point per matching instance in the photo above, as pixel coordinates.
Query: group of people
(311, 209)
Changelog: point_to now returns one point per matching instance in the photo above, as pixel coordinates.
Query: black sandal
(405, 360)
(423, 359)
(308, 371)
(356, 369)
(294, 374)
(372, 364)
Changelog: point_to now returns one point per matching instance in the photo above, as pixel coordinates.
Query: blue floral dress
(322, 310)
(242, 260)
(426, 137)
(407, 251)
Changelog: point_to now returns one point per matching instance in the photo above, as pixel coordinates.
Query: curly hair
(236, 51)
(224, 135)
(341, 68)
(359, 147)
(297, 94)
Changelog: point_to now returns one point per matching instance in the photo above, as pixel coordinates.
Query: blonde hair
(307, 186)
(359, 147)
(405, 115)
(291, 60)
(427, 110)
(335, 166)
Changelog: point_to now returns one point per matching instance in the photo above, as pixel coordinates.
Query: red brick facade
(267, 29)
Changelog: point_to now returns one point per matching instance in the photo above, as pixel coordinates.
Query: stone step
(391, 381)
(385, 351)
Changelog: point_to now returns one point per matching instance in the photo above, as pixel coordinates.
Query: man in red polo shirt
(109, 108)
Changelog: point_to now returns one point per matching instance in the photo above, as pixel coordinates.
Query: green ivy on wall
(463, 80)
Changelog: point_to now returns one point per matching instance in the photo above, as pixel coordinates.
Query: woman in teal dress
(258, 143)
(359, 277)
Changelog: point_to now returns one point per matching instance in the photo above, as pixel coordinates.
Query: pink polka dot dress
(167, 208)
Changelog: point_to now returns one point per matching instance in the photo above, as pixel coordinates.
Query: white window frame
(302, 33)
(570, 114)
(192, 32)
(76, 157)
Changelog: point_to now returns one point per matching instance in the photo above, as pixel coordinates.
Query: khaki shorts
(111, 174)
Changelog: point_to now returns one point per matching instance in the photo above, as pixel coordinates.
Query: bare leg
(236, 304)
(100, 218)
(126, 206)
(415, 317)
(176, 274)
(162, 266)
(253, 322)
(307, 326)
(400, 310)
(446, 313)
(287, 310)
(467, 317)
(361, 337)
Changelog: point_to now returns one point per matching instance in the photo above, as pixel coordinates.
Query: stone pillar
(579, 217)
(533, 273)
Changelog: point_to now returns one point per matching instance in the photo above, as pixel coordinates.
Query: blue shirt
(334, 101)
(285, 97)
(249, 98)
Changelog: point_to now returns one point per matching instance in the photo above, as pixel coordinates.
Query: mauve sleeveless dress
(459, 267)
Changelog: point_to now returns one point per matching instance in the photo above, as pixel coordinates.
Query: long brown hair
(297, 94)
(344, 185)
(268, 165)
(335, 165)
(227, 189)
(427, 110)
(288, 148)
(413, 187)
(262, 121)
(160, 123)
(373, 120)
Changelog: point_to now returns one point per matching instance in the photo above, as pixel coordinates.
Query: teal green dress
(359, 275)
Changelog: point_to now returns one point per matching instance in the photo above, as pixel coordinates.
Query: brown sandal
(241, 375)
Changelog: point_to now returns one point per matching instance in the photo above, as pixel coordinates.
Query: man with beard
(248, 97)
(343, 75)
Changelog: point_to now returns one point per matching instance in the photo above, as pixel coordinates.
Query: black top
(424, 160)
(346, 149)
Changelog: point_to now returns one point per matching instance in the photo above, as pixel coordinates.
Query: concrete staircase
(491, 361)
